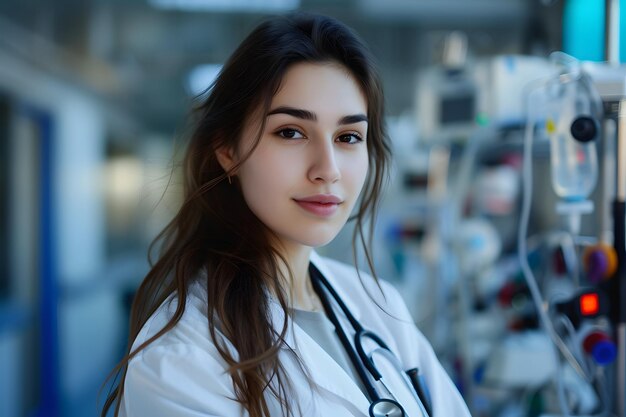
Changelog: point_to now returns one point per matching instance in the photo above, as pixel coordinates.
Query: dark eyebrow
(307, 115)
(353, 118)
(299, 113)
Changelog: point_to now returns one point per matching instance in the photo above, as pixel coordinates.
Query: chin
(319, 238)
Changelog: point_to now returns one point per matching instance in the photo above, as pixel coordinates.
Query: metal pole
(621, 152)
(611, 36)
(619, 219)
(611, 31)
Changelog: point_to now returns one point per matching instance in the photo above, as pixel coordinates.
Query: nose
(324, 166)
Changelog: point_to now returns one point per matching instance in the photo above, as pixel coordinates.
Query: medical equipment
(582, 102)
(570, 107)
(454, 102)
(446, 104)
(501, 81)
(572, 130)
(447, 95)
(408, 383)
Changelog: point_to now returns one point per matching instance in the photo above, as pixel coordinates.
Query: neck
(300, 292)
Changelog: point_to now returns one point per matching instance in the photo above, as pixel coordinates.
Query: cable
(523, 252)
(601, 385)
(569, 327)
(522, 248)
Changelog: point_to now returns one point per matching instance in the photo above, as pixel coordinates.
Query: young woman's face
(309, 167)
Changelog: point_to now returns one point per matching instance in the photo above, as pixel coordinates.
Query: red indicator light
(589, 304)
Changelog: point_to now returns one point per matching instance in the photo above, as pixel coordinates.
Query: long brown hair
(216, 236)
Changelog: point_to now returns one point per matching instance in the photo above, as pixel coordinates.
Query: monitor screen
(457, 109)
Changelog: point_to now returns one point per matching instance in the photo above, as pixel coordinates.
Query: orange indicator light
(589, 304)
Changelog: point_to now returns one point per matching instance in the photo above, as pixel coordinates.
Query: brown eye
(350, 138)
(289, 134)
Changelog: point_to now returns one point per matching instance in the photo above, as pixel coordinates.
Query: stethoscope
(380, 406)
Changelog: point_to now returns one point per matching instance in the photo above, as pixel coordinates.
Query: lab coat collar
(326, 373)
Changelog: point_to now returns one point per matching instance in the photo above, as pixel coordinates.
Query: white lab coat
(181, 374)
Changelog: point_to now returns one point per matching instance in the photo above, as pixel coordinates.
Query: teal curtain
(583, 30)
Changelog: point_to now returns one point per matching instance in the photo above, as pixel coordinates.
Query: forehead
(321, 87)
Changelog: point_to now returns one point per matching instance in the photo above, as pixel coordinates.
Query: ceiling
(137, 57)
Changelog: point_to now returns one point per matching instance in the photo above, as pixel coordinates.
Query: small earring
(229, 180)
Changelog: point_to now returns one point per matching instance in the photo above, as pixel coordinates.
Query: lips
(322, 205)
(321, 199)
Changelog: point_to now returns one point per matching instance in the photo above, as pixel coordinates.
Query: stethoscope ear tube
(420, 389)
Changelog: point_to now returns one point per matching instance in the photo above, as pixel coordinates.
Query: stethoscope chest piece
(386, 408)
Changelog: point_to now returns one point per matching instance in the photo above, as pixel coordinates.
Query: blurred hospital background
(503, 223)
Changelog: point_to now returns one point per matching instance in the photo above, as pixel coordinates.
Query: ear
(226, 157)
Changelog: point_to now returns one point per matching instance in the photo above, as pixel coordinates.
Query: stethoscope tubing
(356, 353)
(317, 280)
(364, 358)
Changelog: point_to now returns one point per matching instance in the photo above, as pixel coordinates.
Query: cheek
(358, 172)
(264, 175)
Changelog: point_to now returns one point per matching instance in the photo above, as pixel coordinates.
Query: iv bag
(572, 132)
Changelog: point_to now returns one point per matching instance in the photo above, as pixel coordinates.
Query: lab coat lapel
(324, 371)
(322, 368)
(326, 374)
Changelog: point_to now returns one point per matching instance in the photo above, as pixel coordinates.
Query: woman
(232, 319)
